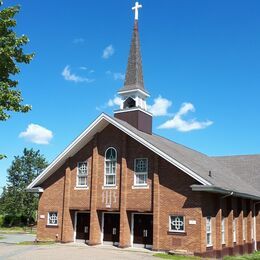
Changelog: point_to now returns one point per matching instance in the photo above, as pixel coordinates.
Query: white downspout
(255, 242)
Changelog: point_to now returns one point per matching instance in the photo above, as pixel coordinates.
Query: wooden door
(83, 223)
(143, 229)
(111, 227)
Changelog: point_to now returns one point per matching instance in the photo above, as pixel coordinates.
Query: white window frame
(140, 173)
(110, 174)
(209, 243)
(170, 224)
(234, 230)
(223, 230)
(48, 220)
(244, 227)
(85, 176)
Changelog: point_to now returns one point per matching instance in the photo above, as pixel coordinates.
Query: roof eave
(218, 190)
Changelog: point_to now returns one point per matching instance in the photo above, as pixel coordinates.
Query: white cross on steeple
(135, 8)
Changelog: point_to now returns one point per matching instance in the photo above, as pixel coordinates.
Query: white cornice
(132, 109)
(123, 92)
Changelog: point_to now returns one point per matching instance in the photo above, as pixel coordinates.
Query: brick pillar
(125, 231)
(218, 228)
(95, 231)
(240, 241)
(257, 208)
(156, 204)
(229, 242)
(235, 217)
(67, 225)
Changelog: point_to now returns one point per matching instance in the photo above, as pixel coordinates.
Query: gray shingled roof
(134, 73)
(221, 176)
(246, 166)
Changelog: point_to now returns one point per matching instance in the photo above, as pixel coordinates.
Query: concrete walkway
(71, 251)
(16, 238)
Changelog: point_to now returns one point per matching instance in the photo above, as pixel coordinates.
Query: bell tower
(134, 108)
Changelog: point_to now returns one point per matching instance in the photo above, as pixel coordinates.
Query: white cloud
(116, 75)
(78, 41)
(37, 134)
(160, 106)
(68, 75)
(116, 101)
(108, 52)
(83, 68)
(119, 76)
(178, 123)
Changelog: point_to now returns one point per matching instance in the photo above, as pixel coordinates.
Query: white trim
(141, 187)
(133, 90)
(37, 189)
(86, 175)
(210, 232)
(132, 109)
(109, 187)
(68, 152)
(234, 230)
(48, 219)
(170, 224)
(223, 230)
(141, 173)
(105, 174)
(81, 188)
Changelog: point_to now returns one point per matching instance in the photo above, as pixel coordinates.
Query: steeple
(134, 73)
(134, 108)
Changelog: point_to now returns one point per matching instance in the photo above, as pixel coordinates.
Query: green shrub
(1, 220)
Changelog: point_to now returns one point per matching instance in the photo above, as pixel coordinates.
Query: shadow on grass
(254, 256)
(46, 243)
(175, 257)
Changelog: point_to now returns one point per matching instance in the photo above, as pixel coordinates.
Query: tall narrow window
(223, 230)
(82, 174)
(141, 172)
(110, 167)
(208, 231)
(234, 230)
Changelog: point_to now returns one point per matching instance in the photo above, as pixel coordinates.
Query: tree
(15, 201)
(11, 54)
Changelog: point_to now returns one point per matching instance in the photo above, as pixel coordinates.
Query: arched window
(110, 167)
(129, 103)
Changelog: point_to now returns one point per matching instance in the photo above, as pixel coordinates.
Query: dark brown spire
(134, 74)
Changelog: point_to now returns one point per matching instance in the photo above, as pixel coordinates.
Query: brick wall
(168, 193)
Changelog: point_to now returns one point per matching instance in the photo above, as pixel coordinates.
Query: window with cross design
(82, 174)
(141, 171)
(53, 218)
(177, 223)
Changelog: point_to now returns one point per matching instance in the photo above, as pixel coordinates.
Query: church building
(119, 183)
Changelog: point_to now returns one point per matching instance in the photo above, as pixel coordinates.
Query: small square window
(53, 218)
(177, 223)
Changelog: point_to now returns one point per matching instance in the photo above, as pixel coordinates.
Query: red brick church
(118, 183)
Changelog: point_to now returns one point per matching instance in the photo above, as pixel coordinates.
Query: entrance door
(83, 222)
(143, 229)
(111, 227)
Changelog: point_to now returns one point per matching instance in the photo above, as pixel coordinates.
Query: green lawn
(175, 257)
(254, 256)
(1, 237)
(6, 230)
(26, 243)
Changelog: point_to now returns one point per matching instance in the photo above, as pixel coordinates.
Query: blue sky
(201, 55)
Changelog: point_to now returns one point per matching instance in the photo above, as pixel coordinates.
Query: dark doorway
(143, 229)
(82, 226)
(111, 227)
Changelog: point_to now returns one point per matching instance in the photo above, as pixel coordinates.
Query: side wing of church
(118, 183)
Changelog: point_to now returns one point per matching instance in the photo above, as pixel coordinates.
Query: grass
(1, 237)
(26, 243)
(175, 257)
(254, 256)
(7, 230)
